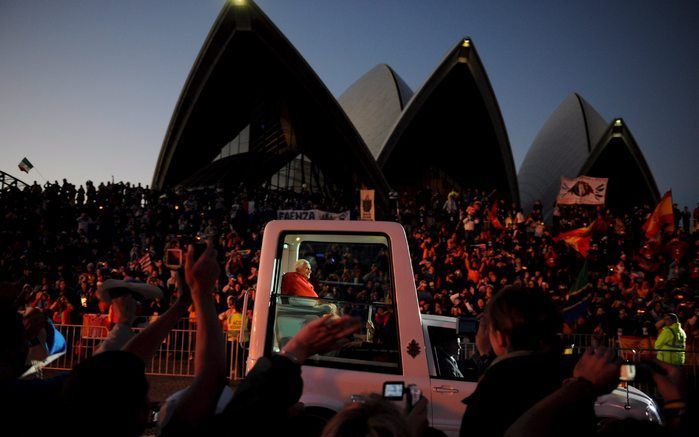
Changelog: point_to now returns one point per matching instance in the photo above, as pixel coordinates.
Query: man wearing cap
(672, 341)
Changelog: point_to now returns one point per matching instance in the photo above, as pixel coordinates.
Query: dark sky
(87, 88)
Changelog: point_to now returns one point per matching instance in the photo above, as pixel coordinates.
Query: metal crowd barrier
(174, 357)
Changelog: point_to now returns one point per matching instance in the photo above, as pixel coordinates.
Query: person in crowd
(523, 331)
(124, 354)
(672, 341)
(231, 319)
(569, 410)
(566, 411)
(120, 223)
(297, 283)
(373, 416)
(266, 401)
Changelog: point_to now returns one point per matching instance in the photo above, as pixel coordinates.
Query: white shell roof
(559, 149)
(374, 102)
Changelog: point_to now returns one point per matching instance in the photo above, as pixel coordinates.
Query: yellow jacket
(671, 344)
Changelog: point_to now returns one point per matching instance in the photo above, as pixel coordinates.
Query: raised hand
(671, 385)
(600, 367)
(417, 416)
(201, 274)
(321, 335)
(184, 294)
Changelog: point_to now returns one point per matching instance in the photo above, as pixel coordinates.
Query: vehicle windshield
(320, 274)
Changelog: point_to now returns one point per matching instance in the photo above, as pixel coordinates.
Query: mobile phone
(415, 394)
(393, 390)
(173, 259)
(627, 372)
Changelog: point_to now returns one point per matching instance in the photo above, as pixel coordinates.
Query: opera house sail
(253, 111)
(374, 102)
(451, 134)
(577, 141)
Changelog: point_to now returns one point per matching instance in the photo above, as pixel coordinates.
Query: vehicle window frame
(434, 371)
(275, 292)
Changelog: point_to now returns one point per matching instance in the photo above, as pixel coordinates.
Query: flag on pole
(581, 282)
(366, 204)
(662, 218)
(25, 165)
(580, 239)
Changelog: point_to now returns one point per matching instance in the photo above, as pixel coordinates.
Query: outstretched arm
(147, 341)
(199, 400)
(571, 406)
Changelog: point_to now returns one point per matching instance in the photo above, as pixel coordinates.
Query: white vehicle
(396, 342)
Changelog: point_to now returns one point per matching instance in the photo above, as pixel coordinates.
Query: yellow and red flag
(661, 219)
(580, 239)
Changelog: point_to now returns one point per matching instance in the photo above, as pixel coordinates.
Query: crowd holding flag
(581, 238)
(661, 219)
(577, 300)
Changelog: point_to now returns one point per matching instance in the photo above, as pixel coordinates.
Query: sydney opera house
(253, 112)
(577, 141)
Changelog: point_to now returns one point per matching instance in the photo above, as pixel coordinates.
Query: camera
(173, 259)
(393, 390)
(415, 394)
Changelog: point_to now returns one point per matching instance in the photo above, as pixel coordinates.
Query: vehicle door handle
(445, 389)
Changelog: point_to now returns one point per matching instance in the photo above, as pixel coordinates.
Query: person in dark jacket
(523, 330)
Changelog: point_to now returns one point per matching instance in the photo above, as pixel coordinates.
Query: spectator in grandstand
(40, 245)
(672, 341)
(231, 319)
(524, 325)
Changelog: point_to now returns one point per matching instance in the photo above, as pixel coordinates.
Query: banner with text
(311, 214)
(366, 204)
(582, 190)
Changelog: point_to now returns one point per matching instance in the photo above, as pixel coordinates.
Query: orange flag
(580, 239)
(661, 219)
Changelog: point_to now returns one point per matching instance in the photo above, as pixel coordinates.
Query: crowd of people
(473, 255)
(108, 392)
(61, 243)
(470, 245)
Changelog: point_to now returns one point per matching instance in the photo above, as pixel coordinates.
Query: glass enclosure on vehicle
(349, 274)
